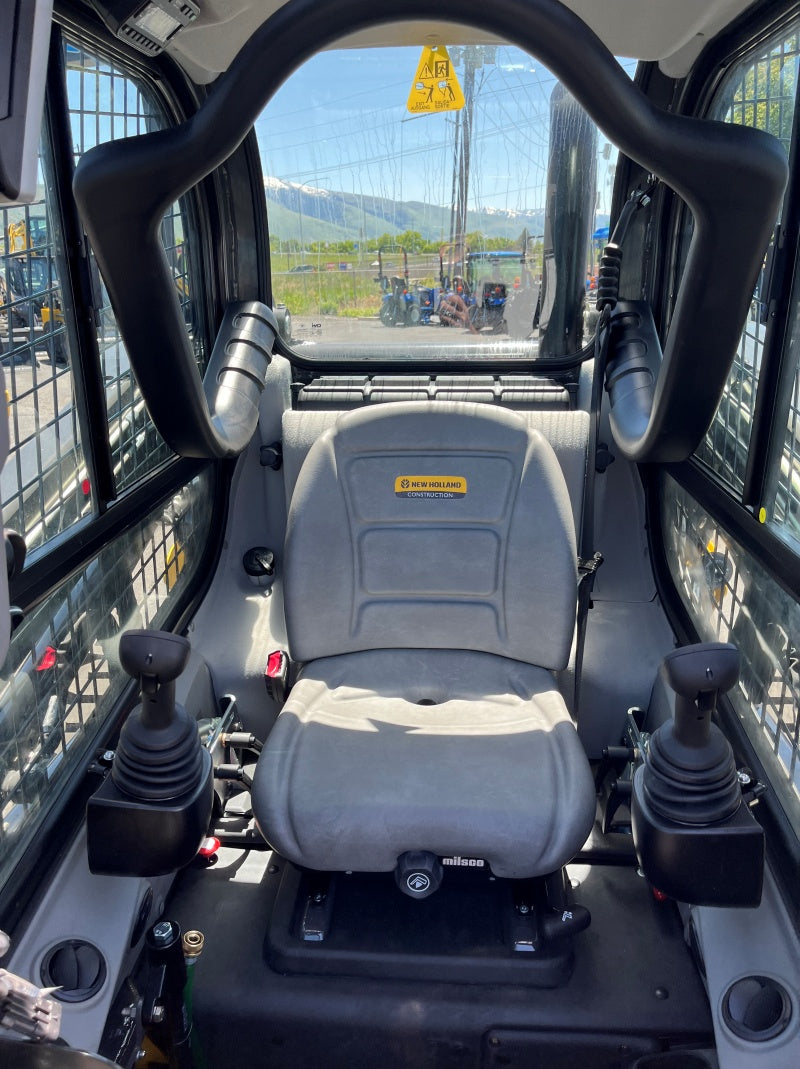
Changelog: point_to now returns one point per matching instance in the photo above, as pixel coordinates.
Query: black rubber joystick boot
(690, 774)
(150, 815)
(696, 839)
(159, 756)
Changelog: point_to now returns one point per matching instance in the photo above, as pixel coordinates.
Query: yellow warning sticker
(435, 87)
(427, 487)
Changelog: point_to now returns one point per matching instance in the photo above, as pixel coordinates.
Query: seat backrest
(444, 526)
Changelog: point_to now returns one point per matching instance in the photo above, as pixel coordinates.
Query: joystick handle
(155, 659)
(697, 674)
(159, 656)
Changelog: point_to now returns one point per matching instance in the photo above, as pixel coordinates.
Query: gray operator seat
(430, 589)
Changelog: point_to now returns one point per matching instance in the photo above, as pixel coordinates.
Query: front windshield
(430, 202)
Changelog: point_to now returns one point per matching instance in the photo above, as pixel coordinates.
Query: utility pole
(473, 61)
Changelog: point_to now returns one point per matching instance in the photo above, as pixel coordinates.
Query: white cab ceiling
(670, 31)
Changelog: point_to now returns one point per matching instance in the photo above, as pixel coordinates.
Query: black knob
(418, 873)
(159, 656)
(564, 923)
(704, 668)
(259, 562)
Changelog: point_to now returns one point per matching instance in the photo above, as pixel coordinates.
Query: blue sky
(341, 123)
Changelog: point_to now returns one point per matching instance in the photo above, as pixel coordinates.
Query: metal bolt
(744, 777)
(661, 992)
(108, 756)
(319, 898)
(163, 933)
(524, 909)
(159, 1013)
(272, 869)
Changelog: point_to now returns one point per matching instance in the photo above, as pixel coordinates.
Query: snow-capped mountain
(308, 214)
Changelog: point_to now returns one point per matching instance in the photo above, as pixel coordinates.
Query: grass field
(346, 293)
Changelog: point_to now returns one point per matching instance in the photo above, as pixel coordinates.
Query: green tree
(765, 95)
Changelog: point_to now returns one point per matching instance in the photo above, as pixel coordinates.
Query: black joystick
(159, 755)
(696, 839)
(690, 774)
(150, 815)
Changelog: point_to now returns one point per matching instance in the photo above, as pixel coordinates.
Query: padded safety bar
(725, 173)
(236, 372)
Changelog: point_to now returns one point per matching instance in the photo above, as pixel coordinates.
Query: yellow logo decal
(429, 487)
(435, 86)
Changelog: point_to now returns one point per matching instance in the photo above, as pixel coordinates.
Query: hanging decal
(435, 87)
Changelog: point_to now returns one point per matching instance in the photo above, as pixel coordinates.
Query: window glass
(759, 92)
(44, 485)
(42, 482)
(106, 104)
(402, 225)
(62, 675)
(732, 599)
(781, 507)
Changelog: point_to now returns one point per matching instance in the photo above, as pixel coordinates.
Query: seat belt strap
(587, 570)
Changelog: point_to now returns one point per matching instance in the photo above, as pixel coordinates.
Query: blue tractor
(399, 304)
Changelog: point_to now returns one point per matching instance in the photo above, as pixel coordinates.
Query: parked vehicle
(399, 304)
(33, 296)
(427, 297)
(495, 276)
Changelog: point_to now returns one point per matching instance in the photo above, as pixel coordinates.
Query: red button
(209, 846)
(275, 664)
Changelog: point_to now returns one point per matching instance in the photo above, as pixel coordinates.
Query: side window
(106, 104)
(728, 593)
(62, 676)
(731, 598)
(761, 92)
(44, 476)
(781, 506)
(45, 487)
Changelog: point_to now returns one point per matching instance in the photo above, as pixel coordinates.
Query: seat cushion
(443, 526)
(454, 752)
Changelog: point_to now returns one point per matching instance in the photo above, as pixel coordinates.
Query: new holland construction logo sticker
(447, 487)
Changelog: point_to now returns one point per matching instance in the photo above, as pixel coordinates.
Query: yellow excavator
(30, 277)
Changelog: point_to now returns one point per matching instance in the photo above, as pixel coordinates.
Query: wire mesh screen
(62, 675)
(732, 599)
(784, 488)
(42, 484)
(781, 506)
(105, 105)
(761, 93)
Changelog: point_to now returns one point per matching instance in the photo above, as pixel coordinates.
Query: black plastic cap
(704, 668)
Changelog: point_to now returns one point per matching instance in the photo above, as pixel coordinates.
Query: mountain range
(307, 214)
